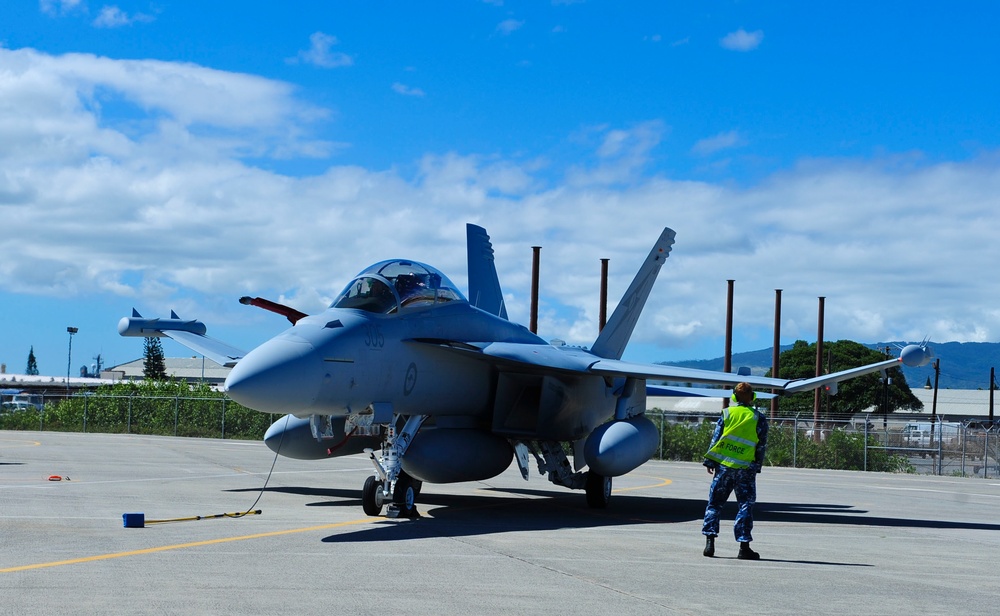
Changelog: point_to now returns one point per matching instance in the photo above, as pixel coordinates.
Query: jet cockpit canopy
(389, 286)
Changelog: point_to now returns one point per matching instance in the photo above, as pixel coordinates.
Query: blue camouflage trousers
(744, 482)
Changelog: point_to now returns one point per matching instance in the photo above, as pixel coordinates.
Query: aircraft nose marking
(410, 380)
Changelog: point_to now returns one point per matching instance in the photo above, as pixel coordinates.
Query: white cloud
(621, 154)
(722, 141)
(406, 90)
(320, 52)
(175, 217)
(113, 17)
(741, 40)
(61, 7)
(508, 26)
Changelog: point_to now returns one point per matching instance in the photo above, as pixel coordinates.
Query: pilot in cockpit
(410, 288)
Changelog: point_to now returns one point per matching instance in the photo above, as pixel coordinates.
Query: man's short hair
(744, 393)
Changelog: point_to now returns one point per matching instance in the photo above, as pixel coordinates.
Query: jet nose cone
(279, 376)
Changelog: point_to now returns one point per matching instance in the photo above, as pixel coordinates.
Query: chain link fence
(207, 417)
(879, 443)
(876, 443)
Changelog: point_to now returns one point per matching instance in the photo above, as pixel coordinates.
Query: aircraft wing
(189, 333)
(670, 391)
(691, 375)
(216, 350)
(541, 359)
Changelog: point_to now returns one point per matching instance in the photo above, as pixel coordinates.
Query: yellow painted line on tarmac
(181, 546)
(663, 481)
(20, 442)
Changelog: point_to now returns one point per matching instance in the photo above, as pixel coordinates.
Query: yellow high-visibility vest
(738, 443)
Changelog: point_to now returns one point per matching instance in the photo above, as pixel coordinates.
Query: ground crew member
(735, 456)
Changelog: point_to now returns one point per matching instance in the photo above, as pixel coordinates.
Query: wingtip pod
(137, 326)
(916, 355)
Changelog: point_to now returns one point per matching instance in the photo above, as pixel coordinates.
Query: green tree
(32, 368)
(154, 366)
(854, 395)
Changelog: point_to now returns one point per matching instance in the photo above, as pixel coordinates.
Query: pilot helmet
(406, 284)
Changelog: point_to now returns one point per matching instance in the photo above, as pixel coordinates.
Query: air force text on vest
(737, 449)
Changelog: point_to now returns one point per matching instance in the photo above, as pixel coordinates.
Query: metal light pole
(69, 356)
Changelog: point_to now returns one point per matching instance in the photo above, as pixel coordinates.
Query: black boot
(746, 553)
(709, 546)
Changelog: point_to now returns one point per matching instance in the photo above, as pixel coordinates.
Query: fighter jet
(440, 388)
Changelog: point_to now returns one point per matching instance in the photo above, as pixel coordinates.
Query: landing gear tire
(598, 490)
(416, 483)
(371, 496)
(404, 496)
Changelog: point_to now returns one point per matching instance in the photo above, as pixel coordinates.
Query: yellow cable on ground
(138, 520)
(238, 514)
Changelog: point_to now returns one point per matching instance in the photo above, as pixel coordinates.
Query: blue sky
(178, 155)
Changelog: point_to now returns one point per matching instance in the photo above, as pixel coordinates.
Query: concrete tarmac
(831, 542)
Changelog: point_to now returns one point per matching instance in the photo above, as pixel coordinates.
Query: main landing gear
(552, 461)
(392, 486)
(598, 490)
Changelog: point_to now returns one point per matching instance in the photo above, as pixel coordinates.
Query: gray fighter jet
(439, 388)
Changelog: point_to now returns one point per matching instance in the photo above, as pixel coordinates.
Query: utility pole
(727, 361)
(819, 368)
(886, 382)
(69, 356)
(536, 252)
(602, 319)
(992, 387)
(776, 351)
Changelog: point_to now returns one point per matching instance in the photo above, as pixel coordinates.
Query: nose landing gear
(391, 485)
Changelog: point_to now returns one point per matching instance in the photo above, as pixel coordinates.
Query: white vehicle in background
(23, 402)
(918, 433)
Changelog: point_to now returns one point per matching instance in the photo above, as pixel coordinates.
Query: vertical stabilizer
(484, 284)
(615, 335)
